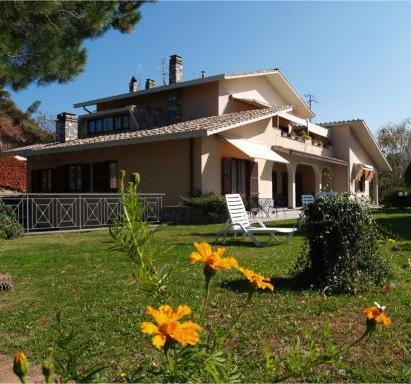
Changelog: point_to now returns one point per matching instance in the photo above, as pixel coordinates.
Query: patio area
(278, 214)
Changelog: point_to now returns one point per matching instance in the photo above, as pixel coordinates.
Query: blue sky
(355, 57)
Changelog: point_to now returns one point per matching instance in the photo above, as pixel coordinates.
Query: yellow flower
(256, 280)
(392, 241)
(212, 258)
(168, 327)
(375, 314)
(20, 367)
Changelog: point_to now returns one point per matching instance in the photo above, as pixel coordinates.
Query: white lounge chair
(239, 223)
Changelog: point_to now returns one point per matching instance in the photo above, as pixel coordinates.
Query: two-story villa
(243, 132)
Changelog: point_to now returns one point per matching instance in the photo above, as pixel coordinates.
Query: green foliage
(28, 127)
(42, 41)
(394, 140)
(9, 225)
(407, 176)
(397, 197)
(342, 253)
(198, 364)
(71, 355)
(210, 203)
(134, 238)
(301, 357)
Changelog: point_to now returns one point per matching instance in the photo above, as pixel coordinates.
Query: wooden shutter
(36, 181)
(226, 175)
(362, 184)
(101, 176)
(85, 178)
(98, 175)
(106, 176)
(61, 179)
(253, 179)
(54, 180)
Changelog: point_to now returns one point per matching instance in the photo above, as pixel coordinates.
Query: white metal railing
(38, 212)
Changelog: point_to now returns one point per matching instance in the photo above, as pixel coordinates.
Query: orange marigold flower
(169, 328)
(375, 314)
(20, 366)
(257, 281)
(212, 258)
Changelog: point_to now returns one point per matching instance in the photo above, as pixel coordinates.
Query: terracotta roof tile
(197, 127)
(340, 122)
(250, 73)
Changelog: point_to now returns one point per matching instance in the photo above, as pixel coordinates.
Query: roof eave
(106, 144)
(362, 122)
(141, 139)
(305, 106)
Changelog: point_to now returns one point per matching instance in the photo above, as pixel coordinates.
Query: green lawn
(80, 275)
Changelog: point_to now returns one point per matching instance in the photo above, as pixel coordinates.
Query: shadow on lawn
(402, 248)
(242, 243)
(398, 225)
(280, 284)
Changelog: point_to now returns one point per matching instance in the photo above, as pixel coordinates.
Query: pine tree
(41, 41)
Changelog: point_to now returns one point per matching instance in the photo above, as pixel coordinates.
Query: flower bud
(136, 177)
(20, 367)
(47, 369)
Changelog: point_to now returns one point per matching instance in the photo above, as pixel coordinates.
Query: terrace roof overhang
(312, 156)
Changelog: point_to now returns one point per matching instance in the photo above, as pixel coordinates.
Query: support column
(375, 187)
(317, 175)
(291, 185)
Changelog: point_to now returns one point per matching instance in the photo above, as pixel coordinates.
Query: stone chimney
(150, 83)
(133, 85)
(66, 127)
(175, 69)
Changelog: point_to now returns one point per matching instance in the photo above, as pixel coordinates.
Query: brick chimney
(66, 127)
(133, 85)
(150, 83)
(175, 69)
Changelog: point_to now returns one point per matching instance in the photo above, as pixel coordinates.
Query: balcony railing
(72, 211)
(300, 144)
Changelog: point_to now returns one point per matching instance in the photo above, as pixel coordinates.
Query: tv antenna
(163, 70)
(311, 99)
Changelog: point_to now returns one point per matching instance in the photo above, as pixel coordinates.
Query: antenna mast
(311, 99)
(163, 70)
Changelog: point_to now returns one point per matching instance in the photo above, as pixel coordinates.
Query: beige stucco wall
(197, 101)
(340, 137)
(358, 154)
(164, 166)
(214, 149)
(257, 88)
(200, 101)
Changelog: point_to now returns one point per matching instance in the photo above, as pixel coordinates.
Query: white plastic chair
(239, 223)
